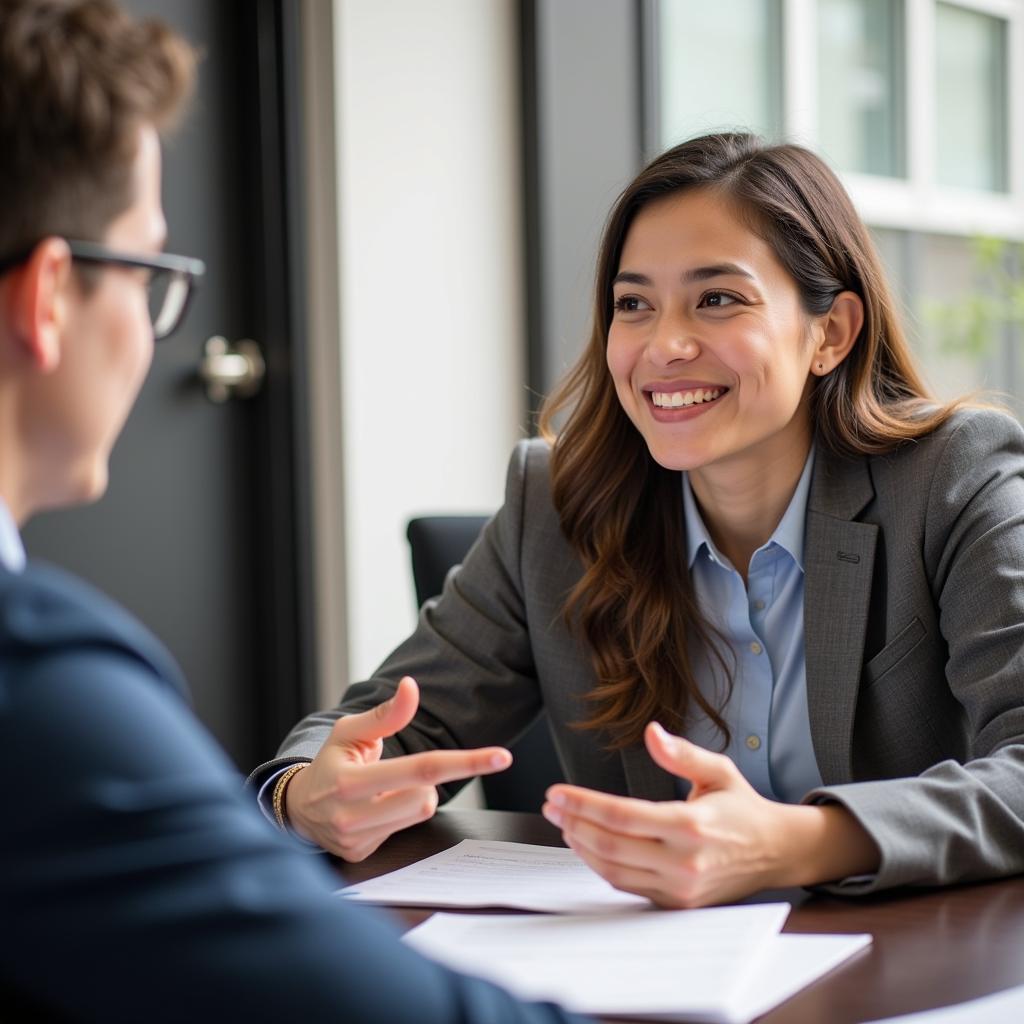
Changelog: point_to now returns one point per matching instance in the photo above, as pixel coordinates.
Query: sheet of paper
(666, 965)
(792, 963)
(481, 873)
(997, 1008)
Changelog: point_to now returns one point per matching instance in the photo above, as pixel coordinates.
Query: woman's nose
(672, 342)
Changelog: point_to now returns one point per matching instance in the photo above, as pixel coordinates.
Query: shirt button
(759, 605)
(754, 742)
(755, 648)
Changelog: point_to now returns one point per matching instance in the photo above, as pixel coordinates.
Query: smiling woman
(758, 528)
(731, 265)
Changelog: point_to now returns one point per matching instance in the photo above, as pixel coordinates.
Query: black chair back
(438, 543)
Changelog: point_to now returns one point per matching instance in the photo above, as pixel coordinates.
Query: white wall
(431, 285)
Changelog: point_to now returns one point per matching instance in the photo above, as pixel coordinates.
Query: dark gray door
(199, 533)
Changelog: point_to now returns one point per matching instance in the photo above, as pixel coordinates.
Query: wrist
(823, 843)
(286, 800)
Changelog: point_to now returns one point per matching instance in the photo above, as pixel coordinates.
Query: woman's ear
(37, 302)
(836, 331)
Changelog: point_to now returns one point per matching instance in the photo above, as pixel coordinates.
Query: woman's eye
(716, 300)
(630, 304)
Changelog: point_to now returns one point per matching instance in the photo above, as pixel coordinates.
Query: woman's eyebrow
(696, 274)
(716, 270)
(628, 277)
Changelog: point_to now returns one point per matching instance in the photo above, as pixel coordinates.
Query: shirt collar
(788, 535)
(12, 551)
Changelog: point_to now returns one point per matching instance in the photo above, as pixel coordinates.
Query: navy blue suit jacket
(136, 880)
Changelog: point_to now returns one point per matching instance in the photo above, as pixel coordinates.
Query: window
(695, 42)
(970, 92)
(912, 100)
(860, 75)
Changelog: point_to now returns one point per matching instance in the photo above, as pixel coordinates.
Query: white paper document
(482, 873)
(727, 964)
(998, 1008)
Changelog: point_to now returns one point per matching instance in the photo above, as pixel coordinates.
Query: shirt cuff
(854, 884)
(265, 799)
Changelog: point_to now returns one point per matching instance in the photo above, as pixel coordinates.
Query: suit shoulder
(970, 434)
(532, 457)
(45, 611)
(529, 472)
(979, 425)
(532, 525)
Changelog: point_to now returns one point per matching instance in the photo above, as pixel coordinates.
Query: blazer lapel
(839, 562)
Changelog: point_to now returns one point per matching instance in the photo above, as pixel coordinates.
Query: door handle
(231, 370)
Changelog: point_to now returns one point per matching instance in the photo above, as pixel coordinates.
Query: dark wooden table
(930, 948)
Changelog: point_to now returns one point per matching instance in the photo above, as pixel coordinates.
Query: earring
(821, 367)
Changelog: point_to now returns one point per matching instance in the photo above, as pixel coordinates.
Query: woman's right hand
(349, 800)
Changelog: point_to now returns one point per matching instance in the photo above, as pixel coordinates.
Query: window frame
(915, 201)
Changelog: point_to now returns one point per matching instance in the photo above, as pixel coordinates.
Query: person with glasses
(136, 881)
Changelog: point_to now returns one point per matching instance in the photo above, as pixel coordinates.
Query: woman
(756, 528)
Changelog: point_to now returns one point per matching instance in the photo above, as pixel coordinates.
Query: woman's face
(709, 347)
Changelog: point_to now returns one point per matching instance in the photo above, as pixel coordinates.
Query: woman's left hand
(723, 842)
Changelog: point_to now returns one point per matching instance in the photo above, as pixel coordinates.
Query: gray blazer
(914, 634)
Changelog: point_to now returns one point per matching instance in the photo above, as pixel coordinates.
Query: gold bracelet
(279, 792)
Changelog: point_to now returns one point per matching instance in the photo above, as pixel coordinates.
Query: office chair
(438, 543)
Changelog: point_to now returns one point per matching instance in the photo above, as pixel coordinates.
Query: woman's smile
(670, 403)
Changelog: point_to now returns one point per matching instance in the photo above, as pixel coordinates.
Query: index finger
(625, 815)
(430, 768)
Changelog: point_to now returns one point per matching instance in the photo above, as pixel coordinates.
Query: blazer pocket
(893, 653)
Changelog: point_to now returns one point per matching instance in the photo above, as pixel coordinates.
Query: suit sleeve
(137, 881)
(957, 821)
(470, 652)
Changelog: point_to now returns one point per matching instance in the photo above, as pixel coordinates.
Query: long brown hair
(622, 512)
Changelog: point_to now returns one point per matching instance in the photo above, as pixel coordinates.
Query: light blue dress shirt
(763, 626)
(12, 551)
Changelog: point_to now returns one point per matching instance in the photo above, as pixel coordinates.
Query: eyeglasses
(171, 281)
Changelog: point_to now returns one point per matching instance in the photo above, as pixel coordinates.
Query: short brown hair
(78, 78)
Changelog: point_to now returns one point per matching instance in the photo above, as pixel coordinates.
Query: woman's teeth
(675, 399)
